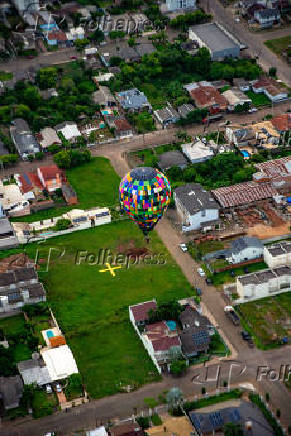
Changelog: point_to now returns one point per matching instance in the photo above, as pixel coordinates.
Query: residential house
(210, 423)
(34, 371)
(19, 287)
(266, 136)
(276, 172)
(167, 115)
(195, 336)
(133, 100)
(47, 94)
(93, 63)
(180, 5)
(244, 193)
(245, 248)
(56, 37)
(69, 129)
(206, 96)
(172, 159)
(7, 238)
(98, 431)
(104, 97)
(26, 5)
(278, 254)
(190, 47)
(14, 203)
(59, 361)
(47, 137)
(126, 429)
(196, 207)
(270, 88)
(242, 84)
(122, 128)
(24, 141)
(138, 314)
(235, 98)
(102, 77)
(51, 177)
(185, 109)
(75, 33)
(219, 42)
(267, 17)
(264, 283)
(240, 136)
(172, 425)
(197, 151)
(11, 389)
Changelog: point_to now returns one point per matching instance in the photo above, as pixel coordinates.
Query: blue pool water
(245, 153)
(171, 325)
(50, 334)
(105, 112)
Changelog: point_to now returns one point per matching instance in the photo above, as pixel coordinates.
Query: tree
(178, 367)
(47, 77)
(97, 36)
(63, 159)
(114, 34)
(174, 398)
(115, 61)
(62, 224)
(7, 364)
(232, 429)
(80, 44)
(74, 387)
(272, 71)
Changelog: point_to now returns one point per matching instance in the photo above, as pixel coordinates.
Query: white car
(237, 20)
(253, 109)
(48, 389)
(183, 247)
(58, 387)
(201, 272)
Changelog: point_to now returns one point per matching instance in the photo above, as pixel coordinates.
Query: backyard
(88, 180)
(230, 275)
(92, 308)
(267, 319)
(258, 99)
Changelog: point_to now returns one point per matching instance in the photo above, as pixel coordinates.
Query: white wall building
(26, 5)
(69, 129)
(264, 283)
(278, 254)
(245, 248)
(197, 151)
(196, 207)
(60, 362)
(235, 98)
(176, 5)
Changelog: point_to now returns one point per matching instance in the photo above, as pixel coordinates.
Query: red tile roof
(161, 337)
(51, 172)
(129, 429)
(140, 311)
(56, 341)
(282, 122)
(59, 36)
(122, 125)
(29, 181)
(206, 96)
(275, 168)
(243, 193)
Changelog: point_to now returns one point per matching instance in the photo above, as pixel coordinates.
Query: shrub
(156, 420)
(178, 367)
(144, 422)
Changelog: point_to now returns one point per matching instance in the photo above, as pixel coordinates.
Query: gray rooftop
(279, 248)
(194, 198)
(167, 113)
(245, 242)
(265, 275)
(133, 99)
(34, 371)
(171, 159)
(185, 109)
(267, 13)
(213, 37)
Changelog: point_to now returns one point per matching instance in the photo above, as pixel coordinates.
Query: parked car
(48, 389)
(245, 335)
(201, 272)
(208, 281)
(58, 387)
(74, 57)
(237, 20)
(183, 247)
(199, 291)
(251, 343)
(246, 270)
(232, 315)
(253, 109)
(232, 273)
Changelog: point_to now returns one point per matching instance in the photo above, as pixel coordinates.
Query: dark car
(199, 291)
(232, 273)
(209, 281)
(246, 270)
(245, 335)
(251, 343)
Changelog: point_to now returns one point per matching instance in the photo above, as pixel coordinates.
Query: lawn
(89, 181)
(225, 276)
(279, 44)
(258, 99)
(197, 251)
(13, 327)
(4, 76)
(92, 308)
(267, 319)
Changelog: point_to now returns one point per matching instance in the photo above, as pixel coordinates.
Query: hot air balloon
(144, 195)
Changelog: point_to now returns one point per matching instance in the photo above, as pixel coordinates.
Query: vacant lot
(92, 307)
(268, 319)
(96, 184)
(278, 45)
(228, 276)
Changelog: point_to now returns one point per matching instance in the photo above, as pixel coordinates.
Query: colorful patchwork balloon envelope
(144, 195)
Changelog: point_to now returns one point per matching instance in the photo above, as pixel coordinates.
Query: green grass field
(13, 327)
(258, 99)
(92, 307)
(88, 181)
(279, 44)
(267, 319)
(225, 276)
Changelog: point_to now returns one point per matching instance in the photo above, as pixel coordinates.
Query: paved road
(254, 41)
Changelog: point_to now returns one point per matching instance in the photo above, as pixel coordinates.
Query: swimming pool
(105, 112)
(245, 154)
(171, 325)
(50, 334)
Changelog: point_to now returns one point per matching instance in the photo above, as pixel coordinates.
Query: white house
(176, 5)
(245, 248)
(60, 362)
(278, 254)
(69, 129)
(270, 88)
(267, 17)
(196, 207)
(264, 283)
(197, 151)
